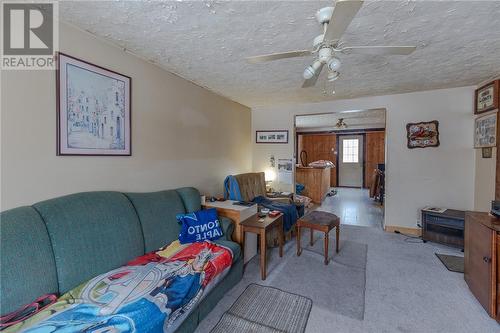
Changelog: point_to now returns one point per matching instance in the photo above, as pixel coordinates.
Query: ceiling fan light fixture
(312, 70)
(340, 123)
(332, 76)
(324, 15)
(334, 64)
(325, 54)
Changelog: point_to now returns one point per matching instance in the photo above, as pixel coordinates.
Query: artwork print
(423, 135)
(487, 97)
(271, 136)
(93, 109)
(485, 131)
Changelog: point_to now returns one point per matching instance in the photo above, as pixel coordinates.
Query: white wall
(442, 176)
(182, 134)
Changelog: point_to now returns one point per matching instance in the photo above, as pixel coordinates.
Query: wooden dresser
(316, 181)
(482, 264)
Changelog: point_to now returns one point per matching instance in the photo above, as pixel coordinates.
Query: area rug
(266, 309)
(452, 263)
(338, 286)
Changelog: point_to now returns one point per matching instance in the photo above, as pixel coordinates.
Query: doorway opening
(350, 146)
(350, 162)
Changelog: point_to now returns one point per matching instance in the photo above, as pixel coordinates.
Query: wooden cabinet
(374, 154)
(316, 181)
(482, 247)
(319, 147)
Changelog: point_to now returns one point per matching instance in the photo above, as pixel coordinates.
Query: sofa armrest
(227, 227)
(281, 199)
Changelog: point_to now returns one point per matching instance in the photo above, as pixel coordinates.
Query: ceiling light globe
(334, 64)
(332, 76)
(309, 72)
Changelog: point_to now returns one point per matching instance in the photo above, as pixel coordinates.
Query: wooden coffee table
(321, 221)
(254, 225)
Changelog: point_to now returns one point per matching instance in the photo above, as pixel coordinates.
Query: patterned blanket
(152, 293)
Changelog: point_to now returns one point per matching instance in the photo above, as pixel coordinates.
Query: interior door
(350, 161)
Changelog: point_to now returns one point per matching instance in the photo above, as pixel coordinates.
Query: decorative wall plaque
(487, 97)
(423, 135)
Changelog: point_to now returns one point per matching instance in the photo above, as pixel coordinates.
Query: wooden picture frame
(272, 136)
(487, 152)
(486, 97)
(93, 109)
(423, 135)
(485, 130)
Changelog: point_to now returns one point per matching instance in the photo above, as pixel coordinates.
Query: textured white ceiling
(206, 42)
(355, 119)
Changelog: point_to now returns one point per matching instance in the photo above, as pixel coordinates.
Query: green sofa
(55, 245)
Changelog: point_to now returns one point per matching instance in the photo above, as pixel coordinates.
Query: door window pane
(350, 151)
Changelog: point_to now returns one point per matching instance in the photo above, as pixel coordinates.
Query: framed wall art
(273, 136)
(487, 152)
(423, 135)
(486, 97)
(93, 109)
(485, 131)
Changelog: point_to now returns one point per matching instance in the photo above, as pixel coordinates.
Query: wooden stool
(321, 221)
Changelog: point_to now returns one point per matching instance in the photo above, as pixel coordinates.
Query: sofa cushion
(251, 185)
(91, 233)
(191, 198)
(27, 267)
(199, 226)
(157, 211)
(234, 247)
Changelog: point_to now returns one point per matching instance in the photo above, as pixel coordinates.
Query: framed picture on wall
(423, 135)
(485, 131)
(93, 109)
(272, 136)
(486, 97)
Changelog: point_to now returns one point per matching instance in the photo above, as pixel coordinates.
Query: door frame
(363, 134)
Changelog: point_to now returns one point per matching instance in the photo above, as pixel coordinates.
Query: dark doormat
(452, 263)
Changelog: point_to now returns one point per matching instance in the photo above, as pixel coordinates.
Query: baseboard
(403, 230)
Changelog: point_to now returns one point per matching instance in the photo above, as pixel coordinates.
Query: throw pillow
(199, 226)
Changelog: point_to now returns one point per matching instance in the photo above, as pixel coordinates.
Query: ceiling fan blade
(277, 56)
(312, 81)
(380, 50)
(343, 14)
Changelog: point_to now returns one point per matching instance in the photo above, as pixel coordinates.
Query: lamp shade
(270, 175)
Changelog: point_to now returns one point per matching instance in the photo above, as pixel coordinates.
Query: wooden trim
(364, 161)
(403, 230)
(493, 299)
(337, 166)
(340, 132)
(337, 143)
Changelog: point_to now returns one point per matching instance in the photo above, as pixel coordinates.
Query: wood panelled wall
(374, 154)
(319, 147)
(497, 187)
(323, 146)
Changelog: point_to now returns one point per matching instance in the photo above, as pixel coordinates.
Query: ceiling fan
(341, 124)
(335, 21)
